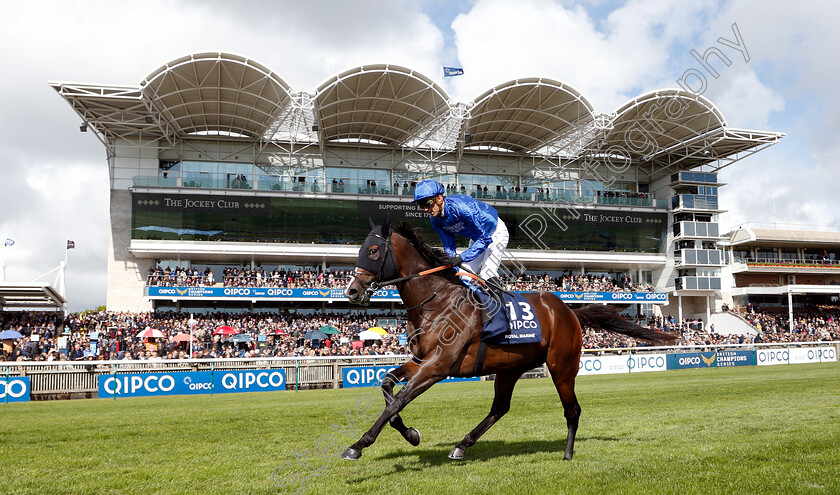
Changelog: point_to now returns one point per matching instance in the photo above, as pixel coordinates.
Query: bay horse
(445, 323)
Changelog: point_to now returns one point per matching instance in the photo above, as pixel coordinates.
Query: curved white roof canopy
(233, 97)
(658, 121)
(216, 94)
(527, 115)
(385, 104)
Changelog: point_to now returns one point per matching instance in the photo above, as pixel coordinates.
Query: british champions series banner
(383, 295)
(692, 360)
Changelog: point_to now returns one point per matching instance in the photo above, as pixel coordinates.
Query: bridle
(377, 276)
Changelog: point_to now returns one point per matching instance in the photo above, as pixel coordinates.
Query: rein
(374, 286)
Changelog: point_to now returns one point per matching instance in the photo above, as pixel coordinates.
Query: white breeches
(486, 265)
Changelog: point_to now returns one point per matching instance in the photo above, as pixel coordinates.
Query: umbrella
(369, 335)
(315, 335)
(241, 338)
(279, 331)
(151, 333)
(10, 334)
(379, 330)
(356, 344)
(183, 337)
(225, 330)
(329, 330)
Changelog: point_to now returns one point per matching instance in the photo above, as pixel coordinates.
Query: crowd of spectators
(340, 278)
(180, 277)
(299, 278)
(570, 282)
(811, 323)
(113, 335)
(816, 324)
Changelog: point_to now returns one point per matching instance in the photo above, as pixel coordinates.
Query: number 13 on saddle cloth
(516, 324)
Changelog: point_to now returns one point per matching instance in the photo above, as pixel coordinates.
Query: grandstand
(215, 162)
(781, 267)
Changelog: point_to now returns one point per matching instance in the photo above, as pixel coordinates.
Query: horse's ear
(372, 225)
(386, 232)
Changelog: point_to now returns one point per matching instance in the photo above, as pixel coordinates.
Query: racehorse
(445, 323)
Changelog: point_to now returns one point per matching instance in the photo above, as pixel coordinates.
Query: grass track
(733, 430)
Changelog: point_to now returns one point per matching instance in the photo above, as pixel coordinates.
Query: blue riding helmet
(427, 189)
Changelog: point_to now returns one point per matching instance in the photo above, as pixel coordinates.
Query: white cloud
(745, 101)
(608, 63)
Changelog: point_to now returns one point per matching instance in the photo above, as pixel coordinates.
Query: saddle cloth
(515, 323)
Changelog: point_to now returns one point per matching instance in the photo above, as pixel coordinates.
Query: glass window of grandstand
(358, 180)
(168, 172)
(219, 175)
(615, 193)
(742, 254)
(703, 190)
(789, 255)
(405, 181)
(820, 255)
(490, 186)
(767, 254)
(298, 176)
(540, 189)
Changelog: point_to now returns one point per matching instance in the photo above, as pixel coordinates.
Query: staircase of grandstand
(729, 323)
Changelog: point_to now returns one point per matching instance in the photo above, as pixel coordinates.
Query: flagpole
(62, 287)
(3, 264)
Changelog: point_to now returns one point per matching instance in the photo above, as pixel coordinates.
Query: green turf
(735, 430)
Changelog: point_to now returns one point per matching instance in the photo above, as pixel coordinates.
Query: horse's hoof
(412, 436)
(567, 458)
(351, 454)
(457, 454)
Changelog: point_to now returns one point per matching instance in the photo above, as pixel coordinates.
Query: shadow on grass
(436, 455)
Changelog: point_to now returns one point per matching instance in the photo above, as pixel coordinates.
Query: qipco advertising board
(14, 389)
(766, 357)
(372, 376)
(606, 365)
(190, 383)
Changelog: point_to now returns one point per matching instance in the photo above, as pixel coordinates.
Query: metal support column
(708, 311)
(679, 311)
(790, 310)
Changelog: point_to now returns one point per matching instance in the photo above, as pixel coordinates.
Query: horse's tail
(602, 316)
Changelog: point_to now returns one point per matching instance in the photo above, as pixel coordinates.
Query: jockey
(468, 217)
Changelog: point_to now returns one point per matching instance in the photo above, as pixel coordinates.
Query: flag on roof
(71, 244)
(453, 71)
(9, 242)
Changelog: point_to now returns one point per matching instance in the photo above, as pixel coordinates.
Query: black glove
(455, 260)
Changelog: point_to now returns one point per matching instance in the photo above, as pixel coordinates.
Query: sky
(54, 181)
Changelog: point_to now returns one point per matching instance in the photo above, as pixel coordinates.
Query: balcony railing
(705, 177)
(697, 283)
(697, 229)
(695, 201)
(698, 257)
(363, 187)
(790, 263)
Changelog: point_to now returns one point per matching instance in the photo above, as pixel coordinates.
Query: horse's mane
(435, 256)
